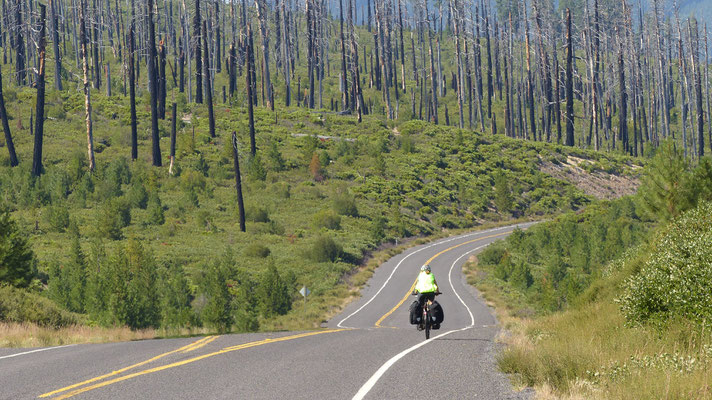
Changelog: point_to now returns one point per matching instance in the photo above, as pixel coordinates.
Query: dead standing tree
(39, 122)
(85, 85)
(153, 86)
(261, 7)
(6, 128)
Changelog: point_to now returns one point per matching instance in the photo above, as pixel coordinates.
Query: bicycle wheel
(427, 325)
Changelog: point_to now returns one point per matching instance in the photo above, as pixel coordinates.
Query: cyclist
(426, 287)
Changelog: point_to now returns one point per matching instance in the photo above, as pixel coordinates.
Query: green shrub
(676, 281)
(255, 170)
(345, 204)
(113, 216)
(137, 196)
(327, 219)
(256, 214)
(257, 250)
(16, 257)
(325, 249)
(58, 218)
(273, 293)
(155, 210)
(21, 306)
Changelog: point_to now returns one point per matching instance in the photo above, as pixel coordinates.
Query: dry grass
(588, 352)
(31, 335)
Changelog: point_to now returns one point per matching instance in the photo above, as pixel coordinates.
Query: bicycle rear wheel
(427, 325)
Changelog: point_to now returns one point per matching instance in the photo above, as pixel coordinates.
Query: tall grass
(589, 352)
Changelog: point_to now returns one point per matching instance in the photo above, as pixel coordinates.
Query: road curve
(368, 351)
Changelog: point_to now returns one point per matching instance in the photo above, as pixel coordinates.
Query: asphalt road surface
(369, 351)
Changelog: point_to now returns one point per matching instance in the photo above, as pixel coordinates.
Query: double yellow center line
(190, 347)
(386, 315)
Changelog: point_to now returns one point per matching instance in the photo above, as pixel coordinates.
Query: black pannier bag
(414, 314)
(437, 312)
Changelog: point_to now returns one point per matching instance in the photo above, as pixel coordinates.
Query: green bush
(137, 196)
(58, 217)
(676, 281)
(345, 204)
(273, 293)
(255, 170)
(16, 257)
(21, 306)
(155, 210)
(256, 214)
(327, 219)
(113, 215)
(257, 250)
(325, 249)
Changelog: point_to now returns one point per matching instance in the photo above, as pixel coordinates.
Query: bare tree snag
(6, 128)
(39, 122)
(249, 76)
(153, 86)
(85, 86)
(132, 93)
(198, 55)
(261, 7)
(55, 45)
(238, 183)
(174, 122)
(569, 82)
(208, 82)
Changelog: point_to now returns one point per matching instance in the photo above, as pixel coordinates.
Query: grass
(589, 352)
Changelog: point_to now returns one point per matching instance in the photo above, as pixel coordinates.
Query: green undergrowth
(638, 331)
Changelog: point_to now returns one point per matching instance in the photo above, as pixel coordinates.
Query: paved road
(368, 351)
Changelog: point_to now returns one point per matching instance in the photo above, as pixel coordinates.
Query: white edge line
(363, 391)
(404, 258)
(35, 351)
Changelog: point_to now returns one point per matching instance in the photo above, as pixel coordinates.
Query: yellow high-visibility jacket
(426, 283)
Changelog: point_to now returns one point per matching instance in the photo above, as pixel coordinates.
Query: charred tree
(39, 122)
(208, 82)
(198, 54)
(85, 84)
(20, 72)
(249, 76)
(261, 7)
(153, 86)
(569, 82)
(132, 92)
(162, 93)
(238, 183)
(174, 115)
(6, 128)
(55, 45)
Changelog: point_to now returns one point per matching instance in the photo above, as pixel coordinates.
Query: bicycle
(426, 321)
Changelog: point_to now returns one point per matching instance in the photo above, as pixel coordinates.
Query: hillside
(315, 207)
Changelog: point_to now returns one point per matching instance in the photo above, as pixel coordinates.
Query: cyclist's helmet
(425, 267)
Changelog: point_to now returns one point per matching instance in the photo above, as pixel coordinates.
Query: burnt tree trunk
(238, 182)
(198, 55)
(162, 80)
(623, 116)
(6, 128)
(569, 82)
(132, 92)
(55, 45)
(85, 84)
(39, 122)
(20, 72)
(249, 76)
(153, 86)
(208, 82)
(174, 122)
